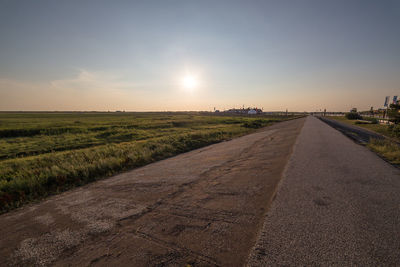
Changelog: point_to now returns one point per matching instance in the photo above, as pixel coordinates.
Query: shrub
(353, 116)
(254, 124)
(393, 112)
(180, 123)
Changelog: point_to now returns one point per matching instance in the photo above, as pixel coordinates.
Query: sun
(189, 82)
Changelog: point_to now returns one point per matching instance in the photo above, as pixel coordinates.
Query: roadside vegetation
(388, 148)
(382, 129)
(46, 153)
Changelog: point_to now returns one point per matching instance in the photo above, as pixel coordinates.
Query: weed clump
(255, 124)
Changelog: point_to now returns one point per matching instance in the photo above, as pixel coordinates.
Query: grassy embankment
(388, 149)
(45, 153)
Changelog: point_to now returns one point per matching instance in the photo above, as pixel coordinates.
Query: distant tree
(353, 116)
(393, 113)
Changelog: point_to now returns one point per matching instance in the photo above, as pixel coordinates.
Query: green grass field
(46, 153)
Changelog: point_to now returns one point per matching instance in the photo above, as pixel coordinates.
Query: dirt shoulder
(204, 207)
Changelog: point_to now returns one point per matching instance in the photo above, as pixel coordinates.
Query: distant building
(244, 111)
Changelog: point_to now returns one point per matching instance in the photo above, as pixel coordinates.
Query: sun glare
(189, 82)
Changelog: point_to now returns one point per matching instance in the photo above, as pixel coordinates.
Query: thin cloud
(91, 80)
(89, 90)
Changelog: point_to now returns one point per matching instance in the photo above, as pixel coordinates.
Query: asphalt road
(337, 205)
(203, 208)
(358, 134)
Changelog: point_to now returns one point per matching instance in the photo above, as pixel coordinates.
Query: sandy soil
(203, 208)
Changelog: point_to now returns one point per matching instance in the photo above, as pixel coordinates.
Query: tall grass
(387, 149)
(25, 179)
(19, 136)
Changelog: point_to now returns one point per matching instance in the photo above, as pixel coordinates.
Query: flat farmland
(45, 153)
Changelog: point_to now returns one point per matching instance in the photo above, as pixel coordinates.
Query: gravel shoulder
(203, 208)
(337, 205)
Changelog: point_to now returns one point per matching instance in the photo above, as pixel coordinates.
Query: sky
(300, 55)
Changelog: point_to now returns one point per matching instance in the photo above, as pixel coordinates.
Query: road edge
(271, 200)
(349, 136)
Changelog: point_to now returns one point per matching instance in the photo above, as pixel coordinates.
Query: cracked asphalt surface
(203, 208)
(337, 205)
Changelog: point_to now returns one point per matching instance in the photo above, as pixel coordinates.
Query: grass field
(46, 153)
